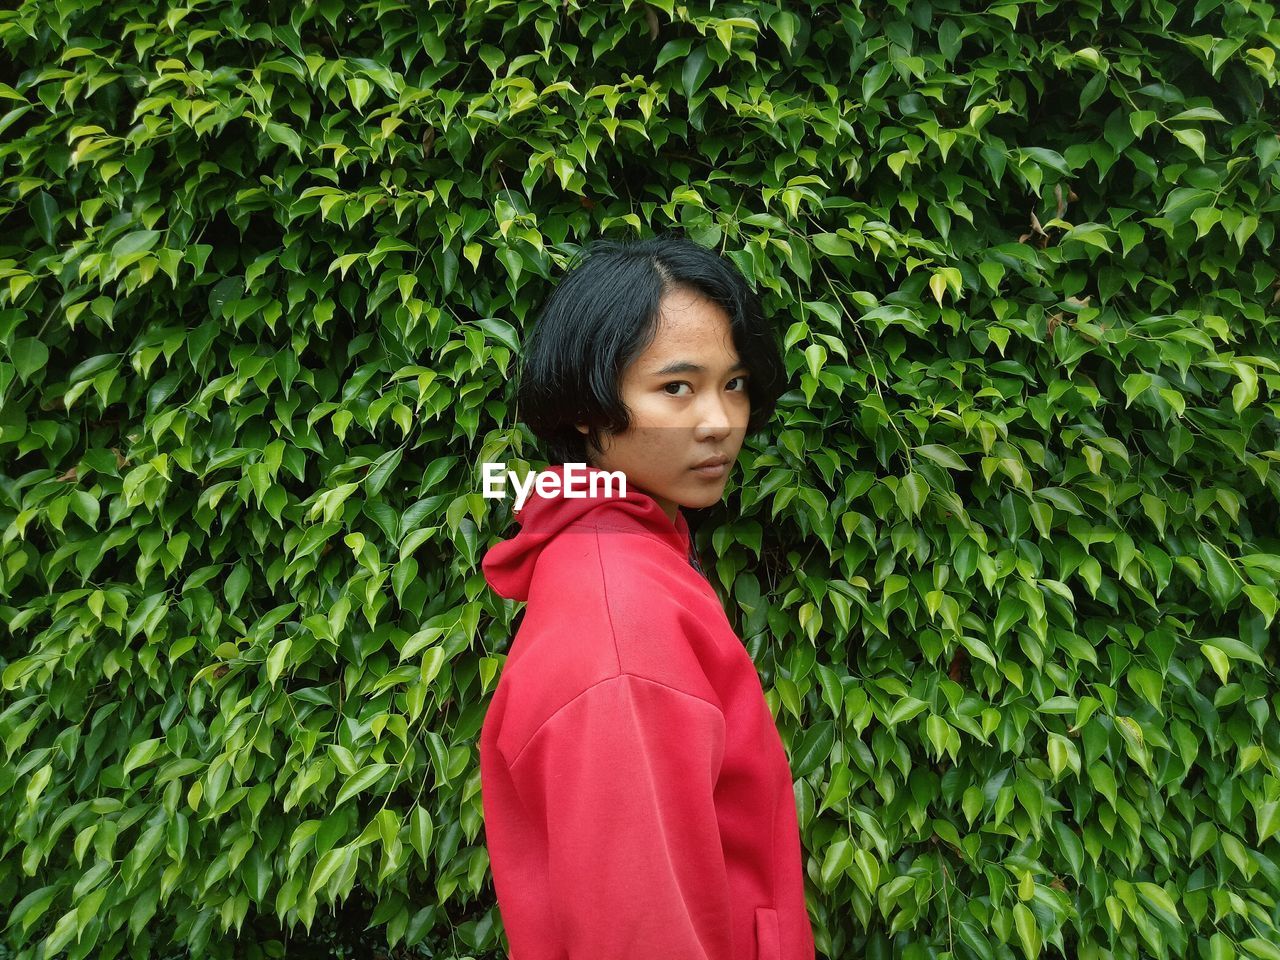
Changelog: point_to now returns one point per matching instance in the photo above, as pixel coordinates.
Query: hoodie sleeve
(623, 777)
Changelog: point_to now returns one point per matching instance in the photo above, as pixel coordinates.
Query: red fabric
(638, 802)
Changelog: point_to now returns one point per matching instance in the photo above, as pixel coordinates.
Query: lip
(713, 466)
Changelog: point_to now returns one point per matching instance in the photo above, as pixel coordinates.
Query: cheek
(652, 431)
(738, 418)
(654, 421)
(652, 412)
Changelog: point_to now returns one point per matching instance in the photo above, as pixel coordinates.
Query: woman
(638, 802)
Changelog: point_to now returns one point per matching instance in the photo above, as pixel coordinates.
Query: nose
(715, 416)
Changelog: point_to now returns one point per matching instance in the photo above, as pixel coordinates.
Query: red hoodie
(638, 802)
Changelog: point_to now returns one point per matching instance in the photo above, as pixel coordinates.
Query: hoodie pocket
(767, 946)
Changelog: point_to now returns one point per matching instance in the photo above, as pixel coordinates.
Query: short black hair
(604, 313)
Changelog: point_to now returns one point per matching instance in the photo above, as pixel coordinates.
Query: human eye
(675, 383)
(743, 388)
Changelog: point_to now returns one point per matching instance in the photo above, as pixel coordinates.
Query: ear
(590, 453)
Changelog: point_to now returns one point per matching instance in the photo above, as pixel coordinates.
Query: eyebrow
(684, 366)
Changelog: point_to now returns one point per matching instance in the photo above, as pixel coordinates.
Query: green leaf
(673, 50)
(32, 907)
(361, 781)
(1261, 949)
(1158, 901)
(359, 89)
(838, 859)
(1198, 113)
(236, 585)
(904, 709)
(277, 659)
(1224, 583)
(993, 272)
(937, 729)
(1135, 385)
(44, 211)
(938, 286)
(28, 355)
(972, 803)
(286, 136)
(697, 67)
(1028, 932)
(88, 908)
(382, 470)
(833, 245)
(140, 754)
(1203, 838)
(912, 493)
(1192, 138)
(1234, 648)
(942, 455)
(1062, 754)
(325, 868)
(420, 831)
(815, 356)
(501, 331)
(874, 79)
(136, 242)
(1268, 818)
(784, 24)
(814, 748)
(1139, 120)
(1220, 947)
(867, 874)
(1135, 745)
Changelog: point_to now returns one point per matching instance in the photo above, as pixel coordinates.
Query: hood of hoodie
(509, 564)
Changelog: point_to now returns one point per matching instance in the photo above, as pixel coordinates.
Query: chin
(701, 498)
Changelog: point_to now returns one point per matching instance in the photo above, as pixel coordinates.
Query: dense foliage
(1006, 559)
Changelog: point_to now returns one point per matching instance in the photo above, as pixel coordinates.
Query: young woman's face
(687, 396)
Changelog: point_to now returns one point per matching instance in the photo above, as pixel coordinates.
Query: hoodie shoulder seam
(597, 525)
(608, 607)
(617, 676)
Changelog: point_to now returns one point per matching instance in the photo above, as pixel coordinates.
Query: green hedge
(1006, 560)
